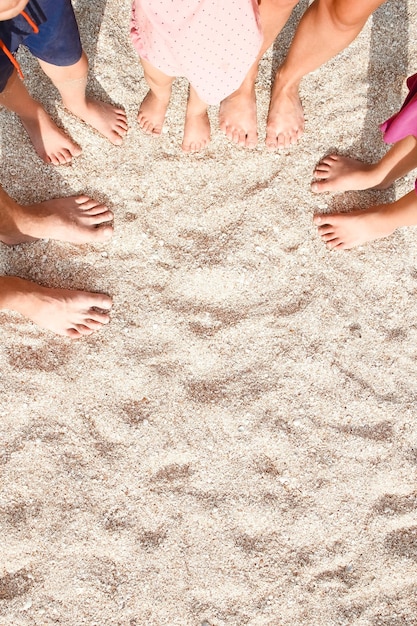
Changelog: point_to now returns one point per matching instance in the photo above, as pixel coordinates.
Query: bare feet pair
(151, 117)
(285, 123)
(342, 231)
(78, 220)
(54, 146)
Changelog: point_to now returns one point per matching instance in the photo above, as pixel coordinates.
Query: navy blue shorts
(58, 41)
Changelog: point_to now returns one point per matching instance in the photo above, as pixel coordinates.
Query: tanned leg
(340, 173)
(154, 106)
(49, 141)
(326, 28)
(237, 116)
(71, 82)
(341, 231)
(63, 311)
(77, 219)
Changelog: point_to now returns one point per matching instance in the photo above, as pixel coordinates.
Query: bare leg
(342, 231)
(154, 106)
(49, 141)
(71, 82)
(197, 125)
(237, 116)
(65, 312)
(76, 219)
(339, 173)
(326, 28)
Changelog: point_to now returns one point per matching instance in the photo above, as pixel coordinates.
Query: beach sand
(239, 445)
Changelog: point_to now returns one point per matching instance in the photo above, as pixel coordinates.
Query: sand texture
(239, 445)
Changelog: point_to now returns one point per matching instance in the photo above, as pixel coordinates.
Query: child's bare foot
(152, 111)
(77, 219)
(342, 231)
(285, 124)
(64, 312)
(237, 118)
(340, 173)
(196, 132)
(49, 141)
(108, 120)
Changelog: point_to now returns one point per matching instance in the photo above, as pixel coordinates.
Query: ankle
(15, 292)
(286, 81)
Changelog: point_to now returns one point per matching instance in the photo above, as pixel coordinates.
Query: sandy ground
(239, 445)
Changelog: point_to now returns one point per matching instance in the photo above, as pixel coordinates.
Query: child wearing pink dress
(342, 231)
(212, 43)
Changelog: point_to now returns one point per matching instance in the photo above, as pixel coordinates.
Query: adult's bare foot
(109, 121)
(342, 231)
(49, 141)
(196, 132)
(152, 111)
(63, 311)
(77, 219)
(285, 123)
(237, 118)
(340, 173)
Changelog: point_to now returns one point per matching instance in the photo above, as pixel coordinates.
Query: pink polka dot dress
(212, 43)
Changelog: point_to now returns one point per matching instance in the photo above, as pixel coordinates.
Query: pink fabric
(403, 123)
(212, 43)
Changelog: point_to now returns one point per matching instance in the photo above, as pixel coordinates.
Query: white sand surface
(239, 445)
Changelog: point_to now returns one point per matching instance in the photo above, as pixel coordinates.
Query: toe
(241, 138)
(100, 301)
(333, 243)
(102, 233)
(101, 218)
(83, 330)
(92, 324)
(73, 333)
(319, 186)
(99, 318)
(75, 150)
(115, 138)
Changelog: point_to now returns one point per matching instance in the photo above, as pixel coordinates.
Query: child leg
(71, 82)
(342, 231)
(153, 109)
(339, 173)
(197, 125)
(347, 230)
(50, 142)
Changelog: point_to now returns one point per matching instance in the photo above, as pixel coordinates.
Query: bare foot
(196, 132)
(49, 141)
(63, 311)
(339, 173)
(237, 118)
(285, 124)
(152, 111)
(77, 219)
(108, 120)
(342, 231)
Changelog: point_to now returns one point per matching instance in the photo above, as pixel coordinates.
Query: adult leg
(154, 106)
(71, 82)
(237, 116)
(326, 28)
(77, 219)
(49, 141)
(65, 312)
